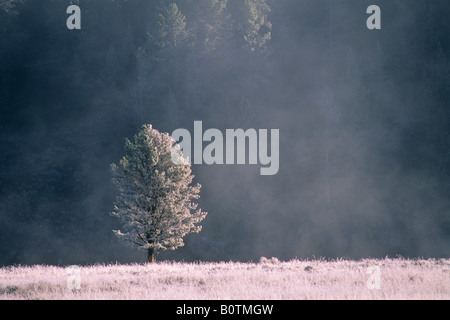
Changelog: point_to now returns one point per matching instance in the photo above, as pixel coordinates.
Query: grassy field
(267, 279)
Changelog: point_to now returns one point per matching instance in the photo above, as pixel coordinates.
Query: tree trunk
(151, 255)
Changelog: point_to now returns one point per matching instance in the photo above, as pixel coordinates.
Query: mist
(363, 120)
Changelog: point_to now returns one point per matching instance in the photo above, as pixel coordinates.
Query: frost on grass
(272, 260)
(267, 279)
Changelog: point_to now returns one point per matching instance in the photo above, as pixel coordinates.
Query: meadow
(264, 280)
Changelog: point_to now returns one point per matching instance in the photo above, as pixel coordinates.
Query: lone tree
(155, 195)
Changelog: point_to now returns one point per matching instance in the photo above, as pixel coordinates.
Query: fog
(363, 120)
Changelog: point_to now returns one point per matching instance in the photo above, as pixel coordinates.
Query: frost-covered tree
(155, 194)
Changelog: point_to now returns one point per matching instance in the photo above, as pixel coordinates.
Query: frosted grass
(268, 279)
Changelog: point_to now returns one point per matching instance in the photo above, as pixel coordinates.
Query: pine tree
(155, 194)
(211, 24)
(252, 19)
(171, 28)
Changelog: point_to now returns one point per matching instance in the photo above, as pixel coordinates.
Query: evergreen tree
(252, 18)
(211, 24)
(155, 199)
(171, 28)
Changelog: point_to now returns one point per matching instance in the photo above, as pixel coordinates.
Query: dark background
(363, 115)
